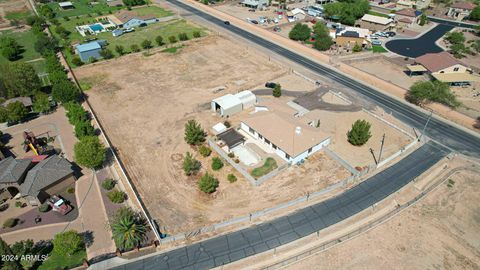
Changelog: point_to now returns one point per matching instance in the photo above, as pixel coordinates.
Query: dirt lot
(440, 232)
(7, 6)
(144, 104)
(387, 71)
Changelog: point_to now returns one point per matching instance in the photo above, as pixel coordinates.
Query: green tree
(120, 49)
(346, 11)
(424, 91)
(16, 111)
(300, 32)
(455, 37)
(65, 91)
(217, 164)
(77, 61)
(172, 39)
(159, 40)
(204, 151)
(67, 243)
(3, 114)
(22, 249)
(89, 152)
(134, 48)
(106, 54)
(475, 14)
(357, 48)
(130, 3)
(19, 79)
(323, 41)
(183, 36)
(62, 32)
(7, 264)
(45, 44)
(75, 113)
(277, 90)
(190, 164)
(116, 196)
(10, 48)
(41, 104)
(208, 183)
(194, 134)
(196, 34)
(129, 229)
(146, 44)
(83, 129)
(360, 133)
(47, 12)
(423, 19)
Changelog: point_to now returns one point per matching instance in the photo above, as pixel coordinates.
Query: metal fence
(367, 226)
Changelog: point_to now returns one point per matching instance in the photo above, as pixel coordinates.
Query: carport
(227, 105)
(231, 138)
(416, 70)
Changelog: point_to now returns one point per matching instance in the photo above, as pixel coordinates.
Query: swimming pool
(96, 27)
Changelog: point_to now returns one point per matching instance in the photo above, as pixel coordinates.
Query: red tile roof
(437, 61)
(464, 5)
(409, 12)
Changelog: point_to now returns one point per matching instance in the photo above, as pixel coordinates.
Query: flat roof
(228, 101)
(280, 129)
(65, 4)
(376, 19)
(456, 77)
(231, 137)
(416, 68)
(94, 45)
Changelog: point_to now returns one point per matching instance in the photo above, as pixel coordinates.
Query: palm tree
(128, 229)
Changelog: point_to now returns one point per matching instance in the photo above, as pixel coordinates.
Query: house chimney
(298, 130)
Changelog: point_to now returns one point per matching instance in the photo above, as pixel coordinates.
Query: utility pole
(381, 148)
(373, 154)
(425, 127)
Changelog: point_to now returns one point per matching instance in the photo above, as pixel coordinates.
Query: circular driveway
(419, 46)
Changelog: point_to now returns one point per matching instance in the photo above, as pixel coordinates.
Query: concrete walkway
(92, 221)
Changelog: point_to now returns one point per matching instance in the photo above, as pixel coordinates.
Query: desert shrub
(205, 151)
(116, 196)
(183, 36)
(18, 204)
(108, 184)
(10, 223)
(217, 164)
(208, 183)
(231, 155)
(190, 164)
(71, 190)
(196, 34)
(227, 124)
(360, 133)
(44, 208)
(231, 178)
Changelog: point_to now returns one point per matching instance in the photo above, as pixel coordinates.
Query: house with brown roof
(407, 17)
(129, 19)
(443, 67)
(291, 139)
(460, 10)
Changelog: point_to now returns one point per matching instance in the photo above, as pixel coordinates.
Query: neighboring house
(66, 5)
(349, 36)
(460, 10)
(405, 4)
(36, 181)
(129, 19)
(26, 101)
(376, 23)
(443, 67)
(255, 3)
(323, 2)
(408, 17)
(114, 3)
(291, 139)
(230, 104)
(89, 50)
(315, 11)
(49, 177)
(117, 32)
(296, 15)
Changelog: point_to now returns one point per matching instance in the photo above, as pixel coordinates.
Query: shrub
(89, 152)
(231, 178)
(134, 48)
(44, 208)
(172, 39)
(67, 243)
(84, 128)
(208, 183)
(159, 40)
(106, 54)
(217, 163)
(277, 91)
(183, 36)
(227, 124)
(196, 34)
(10, 223)
(360, 133)
(116, 196)
(146, 44)
(71, 190)
(18, 204)
(108, 184)
(77, 61)
(120, 49)
(205, 151)
(231, 155)
(422, 92)
(190, 164)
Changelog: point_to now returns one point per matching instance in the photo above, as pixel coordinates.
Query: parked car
(391, 34)
(252, 10)
(270, 85)
(59, 205)
(254, 21)
(226, 22)
(128, 30)
(277, 29)
(376, 42)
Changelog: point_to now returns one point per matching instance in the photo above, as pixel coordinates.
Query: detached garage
(230, 104)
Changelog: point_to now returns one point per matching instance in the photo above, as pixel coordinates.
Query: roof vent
(298, 130)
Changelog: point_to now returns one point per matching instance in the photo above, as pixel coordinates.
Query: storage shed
(247, 98)
(89, 50)
(230, 104)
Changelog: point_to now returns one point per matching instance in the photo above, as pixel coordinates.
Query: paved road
(440, 131)
(419, 46)
(451, 23)
(247, 242)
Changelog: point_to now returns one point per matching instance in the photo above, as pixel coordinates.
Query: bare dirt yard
(13, 9)
(439, 232)
(144, 102)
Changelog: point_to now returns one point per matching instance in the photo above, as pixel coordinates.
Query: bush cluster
(205, 151)
(217, 164)
(108, 184)
(116, 196)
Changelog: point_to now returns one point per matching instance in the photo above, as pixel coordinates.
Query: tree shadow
(88, 238)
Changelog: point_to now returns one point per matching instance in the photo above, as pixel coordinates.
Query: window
(456, 69)
(260, 136)
(287, 156)
(310, 150)
(274, 146)
(267, 141)
(251, 130)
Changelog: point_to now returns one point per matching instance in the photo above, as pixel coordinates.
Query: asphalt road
(260, 238)
(446, 134)
(419, 46)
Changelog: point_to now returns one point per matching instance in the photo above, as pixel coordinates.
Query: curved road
(416, 47)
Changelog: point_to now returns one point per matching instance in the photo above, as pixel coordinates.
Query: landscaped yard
(371, 12)
(378, 49)
(55, 261)
(83, 7)
(27, 40)
(269, 165)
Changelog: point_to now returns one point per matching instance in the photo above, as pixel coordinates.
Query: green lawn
(55, 261)
(371, 12)
(18, 15)
(27, 40)
(172, 49)
(378, 49)
(83, 7)
(269, 165)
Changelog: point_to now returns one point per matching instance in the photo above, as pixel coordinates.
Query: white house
(255, 3)
(291, 139)
(460, 10)
(129, 19)
(296, 15)
(230, 104)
